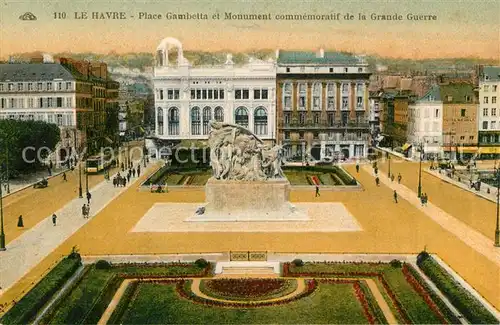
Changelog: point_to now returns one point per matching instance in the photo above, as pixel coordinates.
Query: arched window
(219, 114)
(195, 121)
(159, 119)
(316, 96)
(302, 96)
(260, 121)
(173, 121)
(207, 116)
(241, 116)
(331, 89)
(287, 96)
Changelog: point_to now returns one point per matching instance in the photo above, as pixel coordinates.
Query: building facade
(187, 98)
(425, 124)
(489, 108)
(322, 105)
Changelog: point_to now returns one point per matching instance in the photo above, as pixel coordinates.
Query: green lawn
(330, 303)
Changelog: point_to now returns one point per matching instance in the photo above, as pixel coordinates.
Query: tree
(28, 137)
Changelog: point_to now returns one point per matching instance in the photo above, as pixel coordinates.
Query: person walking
(425, 199)
(377, 181)
(123, 167)
(317, 191)
(20, 222)
(84, 211)
(54, 219)
(376, 170)
(64, 177)
(89, 196)
(392, 178)
(399, 178)
(357, 167)
(395, 196)
(124, 182)
(128, 177)
(422, 199)
(133, 172)
(87, 211)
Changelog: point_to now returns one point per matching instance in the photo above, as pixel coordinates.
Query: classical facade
(425, 124)
(489, 108)
(322, 105)
(187, 98)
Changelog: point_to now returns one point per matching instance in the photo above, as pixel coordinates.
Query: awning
(406, 146)
(466, 149)
(487, 150)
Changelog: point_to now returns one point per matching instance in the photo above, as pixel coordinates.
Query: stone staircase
(247, 269)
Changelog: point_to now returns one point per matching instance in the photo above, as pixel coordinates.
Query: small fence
(247, 256)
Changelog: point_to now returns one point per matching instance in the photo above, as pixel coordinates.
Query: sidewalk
(24, 181)
(469, 236)
(26, 251)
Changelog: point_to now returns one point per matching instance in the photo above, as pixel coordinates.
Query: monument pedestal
(229, 200)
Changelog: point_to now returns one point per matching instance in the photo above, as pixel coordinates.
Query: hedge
(101, 303)
(122, 306)
(462, 299)
(28, 307)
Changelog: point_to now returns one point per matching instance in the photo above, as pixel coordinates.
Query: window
(485, 100)
(345, 103)
(11, 87)
(317, 96)
(486, 88)
(493, 125)
(50, 118)
(193, 94)
(331, 70)
(485, 112)
(287, 117)
(359, 102)
(246, 94)
(462, 112)
(30, 86)
(485, 125)
(287, 135)
(59, 102)
(449, 98)
(301, 135)
(173, 121)
(302, 96)
(161, 94)
(219, 114)
(493, 112)
(345, 88)
(260, 94)
(494, 88)
(260, 121)
(360, 69)
(207, 116)
(316, 118)
(221, 93)
(49, 85)
(31, 102)
(471, 137)
(59, 119)
(20, 87)
(331, 118)
(216, 93)
(203, 94)
(195, 121)
(264, 94)
(241, 116)
(330, 96)
(170, 94)
(50, 102)
(59, 86)
(436, 114)
(237, 94)
(68, 85)
(287, 96)
(462, 138)
(1, 87)
(198, 93)
(210, 94)
(494, 99)
(302, 118)
(467, 99)
(346, 70)
(359, 88)
(287, 69)
(39, 86)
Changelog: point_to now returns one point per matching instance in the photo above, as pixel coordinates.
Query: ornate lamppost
(421, 149)
(2, 233)
(389, 158)
(497, 229)
(79, 169)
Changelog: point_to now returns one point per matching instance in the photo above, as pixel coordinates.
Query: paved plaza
(387, 228)
(175, 217)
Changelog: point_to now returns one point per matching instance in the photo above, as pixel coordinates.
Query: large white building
(425, 124)
(41, 92)
(489, 106)
(187, 97)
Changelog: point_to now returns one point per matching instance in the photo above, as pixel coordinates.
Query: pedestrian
(133, 172)
(395, 196)
(128, 177)
(376, 170)
(54, 219)
(87, 211)
(392, 178)
(357, 167)
(399, 178)
(425, 199)
(124, 182)
(122, 167)
(422, 199)
(71, 161)
(20, 222)
(317, 191)
(377, 181)
(50, 165)
(138, 171)
(84, 211)
(89, 196)
(64, 177)
(114, 181)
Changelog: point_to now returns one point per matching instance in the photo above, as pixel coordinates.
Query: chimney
(321, 53)
(277, 53)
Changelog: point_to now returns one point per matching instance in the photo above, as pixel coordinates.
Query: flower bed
(248, 289)
(183, 288)
(462, 299)
(315, 180)
(161, 270)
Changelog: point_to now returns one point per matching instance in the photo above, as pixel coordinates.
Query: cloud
(27, 16)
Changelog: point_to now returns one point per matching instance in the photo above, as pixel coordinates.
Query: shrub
(201, 263)
(27, 308)
(422, 257)
(298, 262)
(102, 265)
(74, 254)
(396, 263)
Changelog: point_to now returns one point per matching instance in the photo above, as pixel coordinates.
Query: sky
(463, 28)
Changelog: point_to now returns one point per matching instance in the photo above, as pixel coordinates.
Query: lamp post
(389, 171)
(86, 176)
(7, 169)
(144, 151)
(419, 193)
(79, 170)
(2, 233)
(497, 229)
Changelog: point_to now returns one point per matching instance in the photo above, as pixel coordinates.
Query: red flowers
(315, 180)
(245, 288)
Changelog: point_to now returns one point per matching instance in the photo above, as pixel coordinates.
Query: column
(165, 122)
(156, 121)
(323, 149)
(351, 150)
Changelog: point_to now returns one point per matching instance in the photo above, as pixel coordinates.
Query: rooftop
(457, 93)
(33, 71)
(323, 57)
(490, 73)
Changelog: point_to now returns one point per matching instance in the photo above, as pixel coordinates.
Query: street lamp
(2, 233)
(389, 171)
(497, 229)
(7, 169)
(79, 170)
(144, 152)
(421, 149)
(86, 176)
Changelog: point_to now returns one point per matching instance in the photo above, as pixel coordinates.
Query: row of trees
(20, 143)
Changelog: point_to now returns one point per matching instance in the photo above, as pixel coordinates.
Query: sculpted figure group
(238, 154)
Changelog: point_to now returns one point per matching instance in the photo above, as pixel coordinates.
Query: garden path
(389, 316)
(114, 302)
(461, 230)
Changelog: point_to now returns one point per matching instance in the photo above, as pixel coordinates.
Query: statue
(236, 153)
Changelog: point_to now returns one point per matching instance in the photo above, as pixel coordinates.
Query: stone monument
(248, 183)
